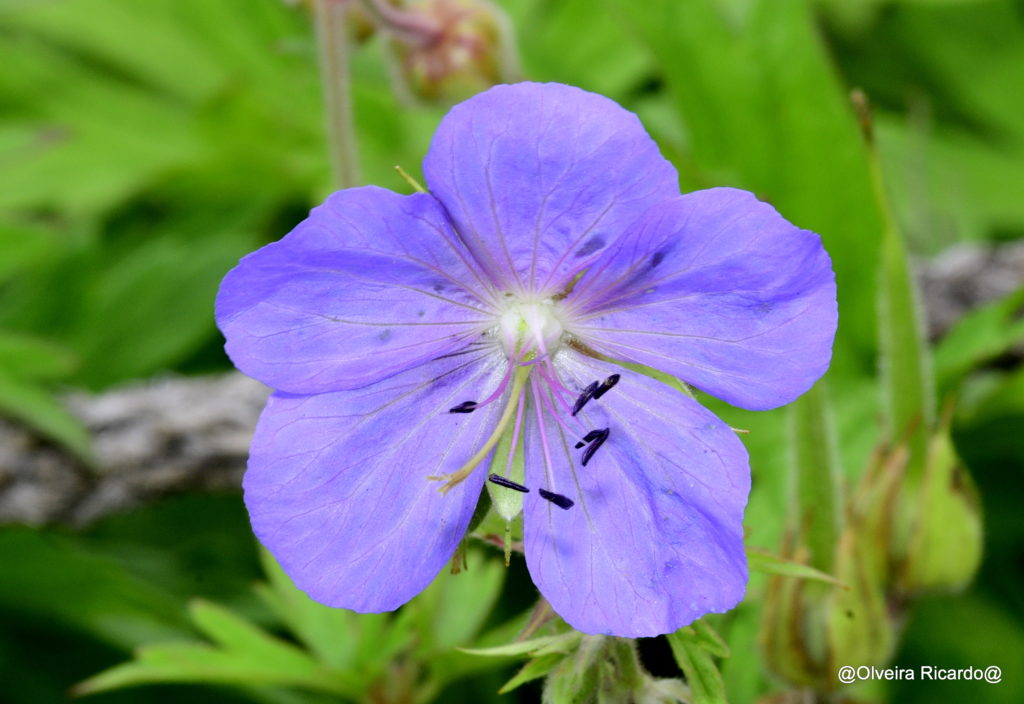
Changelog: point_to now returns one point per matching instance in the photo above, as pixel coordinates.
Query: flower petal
(655, 538)
(539, 178)
(337, 484)
(715, 287)
(372, 283)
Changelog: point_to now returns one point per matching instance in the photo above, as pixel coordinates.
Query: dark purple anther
(593, 435)
(558, 500)
(464, 407)
(584, 397)
(596, 439)
(508, 483)
(606, 386)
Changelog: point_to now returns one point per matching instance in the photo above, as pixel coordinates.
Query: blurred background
(146, 145)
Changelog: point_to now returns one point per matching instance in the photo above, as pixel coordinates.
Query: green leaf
(697, 664)
(121, 35)
(59, 579)
(247, 656)
(773, 564)
(604, 58)
(22, 246)
(454, 607)
(969, 191)
(92, 143)
(40, 410)
(708, 638)
(980, 336)
(31, 357)
(234, 633)
(560, 643)
(331, 634)
(188, 663)
(150, 308)
(534, 669)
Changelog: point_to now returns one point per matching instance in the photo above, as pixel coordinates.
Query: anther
(587, 394)
(596, 439)
(507, 483)
(591, 436)
(464, 407)
(563, 502)
(606, 386)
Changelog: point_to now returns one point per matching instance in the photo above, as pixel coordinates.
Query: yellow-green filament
(455, 478)
(410, 180)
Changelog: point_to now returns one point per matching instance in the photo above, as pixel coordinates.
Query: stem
(815, 467)
(333, 40)
(904, 353)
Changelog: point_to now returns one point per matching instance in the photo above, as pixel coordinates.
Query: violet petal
(337, 484)
(718, 289)
(655, 539)
(371, 284)
(540, 178)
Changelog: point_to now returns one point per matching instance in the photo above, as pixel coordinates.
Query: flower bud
(358, 20)
(810, 628)
(944, 544)
(450, 49)
(607, 669)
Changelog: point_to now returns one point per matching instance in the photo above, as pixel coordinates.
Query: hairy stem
(332, 33)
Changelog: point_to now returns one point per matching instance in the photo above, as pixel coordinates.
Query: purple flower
(408, 336)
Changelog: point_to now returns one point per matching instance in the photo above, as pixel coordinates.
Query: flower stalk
(333, 41)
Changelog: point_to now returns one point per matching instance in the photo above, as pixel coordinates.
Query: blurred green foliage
(146, 145)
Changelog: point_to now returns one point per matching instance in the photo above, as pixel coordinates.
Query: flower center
(530, 329)
(531, 332)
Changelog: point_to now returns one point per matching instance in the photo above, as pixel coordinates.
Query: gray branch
(151, 439)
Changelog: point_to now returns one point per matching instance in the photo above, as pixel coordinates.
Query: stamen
(563, 502)
(464, 407)
(456, 477)
(569, 288)
(599, 436)
(538, 406)
(552, 378)
(558, 391)
(607, 385)
(507, 483)
(587, 394)
(549, 402)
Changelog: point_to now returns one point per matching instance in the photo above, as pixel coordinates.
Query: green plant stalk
(333, 42)
(905, 358)
(815, 477)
